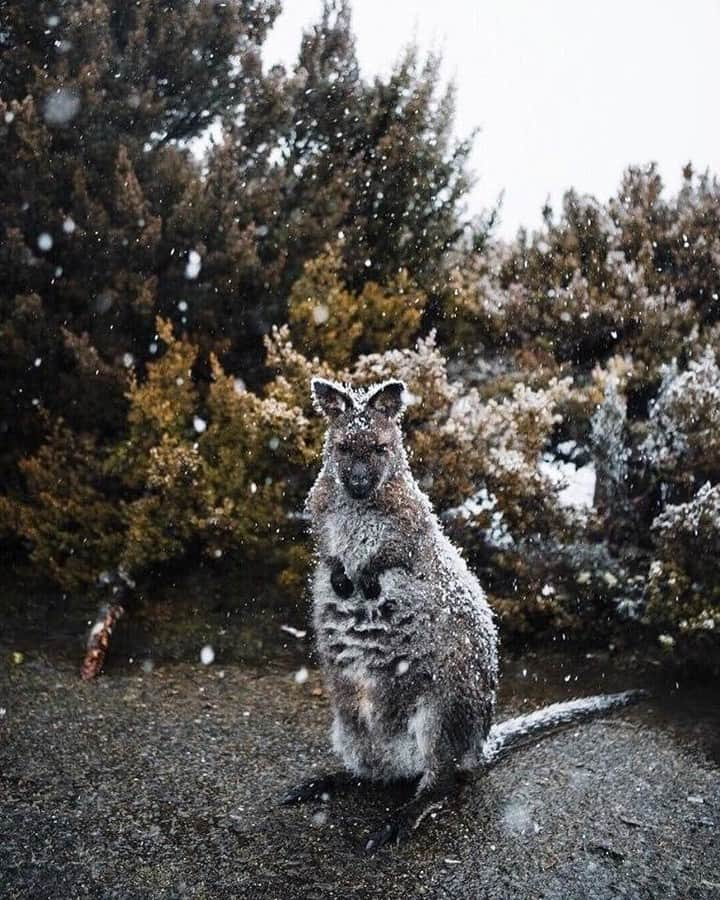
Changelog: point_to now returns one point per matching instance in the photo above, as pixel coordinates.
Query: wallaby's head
(364, 446)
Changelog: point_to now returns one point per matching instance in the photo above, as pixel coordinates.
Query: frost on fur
(330, 399)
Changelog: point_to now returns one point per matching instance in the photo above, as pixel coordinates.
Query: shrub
(640, 275)
(333, 323)
(682, 448)
(587, 349)
(108, 219)
(683, 440)
(227, 469)
(69, 510)
(683, 593)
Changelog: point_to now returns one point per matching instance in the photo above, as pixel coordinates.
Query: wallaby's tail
(509, 734)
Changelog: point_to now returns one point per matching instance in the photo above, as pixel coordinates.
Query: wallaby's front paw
(322, 787)
(341, 584)
(315, 789)
(370, 583)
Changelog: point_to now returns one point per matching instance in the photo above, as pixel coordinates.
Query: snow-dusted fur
(509, 734)
(411, 673)
(404, 632)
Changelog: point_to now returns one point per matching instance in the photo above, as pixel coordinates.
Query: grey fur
(512, 732)
(404, 632)
(412, 673)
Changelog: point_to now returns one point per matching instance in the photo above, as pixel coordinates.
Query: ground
(164, 783)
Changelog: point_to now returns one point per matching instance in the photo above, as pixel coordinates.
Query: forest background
(166, 297)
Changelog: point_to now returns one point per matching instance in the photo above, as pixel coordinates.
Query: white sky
(566, 92)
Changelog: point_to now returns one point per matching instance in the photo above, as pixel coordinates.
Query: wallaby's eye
(381, 448)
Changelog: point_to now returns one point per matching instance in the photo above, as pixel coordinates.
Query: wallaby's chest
(355, 537)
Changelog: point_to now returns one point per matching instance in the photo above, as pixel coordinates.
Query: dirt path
(163, 784)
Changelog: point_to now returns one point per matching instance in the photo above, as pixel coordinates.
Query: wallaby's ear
(387, 399)
(329, 398)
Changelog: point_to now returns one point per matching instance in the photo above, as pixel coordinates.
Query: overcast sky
(566, 93)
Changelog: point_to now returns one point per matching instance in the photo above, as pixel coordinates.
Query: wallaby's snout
(363, 462)
(359, 481)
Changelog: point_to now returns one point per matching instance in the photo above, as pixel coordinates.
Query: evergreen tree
(374, 162)
(108, 219)
(97, 221)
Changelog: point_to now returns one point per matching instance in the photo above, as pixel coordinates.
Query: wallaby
(404, 633)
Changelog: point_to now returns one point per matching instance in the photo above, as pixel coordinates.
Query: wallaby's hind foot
(408, 818)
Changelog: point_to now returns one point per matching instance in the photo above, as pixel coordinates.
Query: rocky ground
(164, 783)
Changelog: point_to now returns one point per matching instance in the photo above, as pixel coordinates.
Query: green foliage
(96, 189)
(108, 219)
(331, 322)
(683, 592)
(228, 470)
(682, 450)
(199, 463)
(638, 276)
(625, 297)
(375, 161)
(69, 511)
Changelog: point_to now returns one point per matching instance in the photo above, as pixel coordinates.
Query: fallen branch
(98, 641)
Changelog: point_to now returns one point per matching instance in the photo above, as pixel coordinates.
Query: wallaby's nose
(358, 482)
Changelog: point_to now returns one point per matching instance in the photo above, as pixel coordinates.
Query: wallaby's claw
(394, 832)
(322, 787)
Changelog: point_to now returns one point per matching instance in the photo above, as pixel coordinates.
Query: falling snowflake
(194, 264)
(61, 107)
(320, 314)
(103, 302)
(295, 632)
